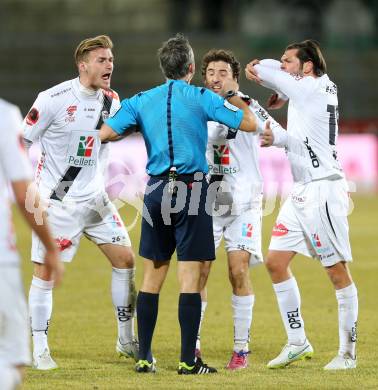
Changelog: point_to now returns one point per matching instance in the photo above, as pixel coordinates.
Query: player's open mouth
(216, 88)
(106, 76)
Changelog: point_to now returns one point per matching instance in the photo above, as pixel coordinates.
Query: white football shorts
(313, 221)
(97, 219)
(14, 324)
(241, 232)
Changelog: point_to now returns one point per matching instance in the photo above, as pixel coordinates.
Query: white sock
(347, 300)
(203, 309)
(289, 302)
(40, 308)
(10, 378)
(124, 299)
(242, 309)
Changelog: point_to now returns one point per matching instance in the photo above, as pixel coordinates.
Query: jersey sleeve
(220, 110)
(38, 118)
(293, 86)
(125, 118)
(262, 116)
(13, 159)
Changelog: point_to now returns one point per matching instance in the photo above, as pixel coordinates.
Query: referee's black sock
(147, 312)
(189, 313)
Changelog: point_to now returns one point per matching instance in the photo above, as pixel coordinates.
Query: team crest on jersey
(247, 230)
(71, 113)
(32, 117)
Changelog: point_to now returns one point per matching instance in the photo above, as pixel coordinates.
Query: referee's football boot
(128, 350)
(342, 362)
(199, 368)
(292, 353)
(144, 366)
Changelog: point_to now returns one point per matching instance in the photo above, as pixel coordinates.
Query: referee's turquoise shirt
(173, 120)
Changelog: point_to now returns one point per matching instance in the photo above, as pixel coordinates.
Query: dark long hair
(309, 50)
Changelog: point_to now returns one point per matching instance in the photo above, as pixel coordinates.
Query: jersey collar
(86, 92)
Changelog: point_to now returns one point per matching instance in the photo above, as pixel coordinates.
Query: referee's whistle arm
(248, 122)
(107, 133)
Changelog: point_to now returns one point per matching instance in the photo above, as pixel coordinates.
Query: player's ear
(308, 67)
(82, 66)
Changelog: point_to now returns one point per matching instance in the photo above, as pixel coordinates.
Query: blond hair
(89, 44)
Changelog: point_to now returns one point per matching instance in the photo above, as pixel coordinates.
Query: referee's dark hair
(175, 56)
(309, 50)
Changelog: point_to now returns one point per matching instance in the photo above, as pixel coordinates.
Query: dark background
(38, 39)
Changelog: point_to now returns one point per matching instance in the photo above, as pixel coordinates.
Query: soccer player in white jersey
(15, 169)
(233, 161)
(313, 220)
(65, 119)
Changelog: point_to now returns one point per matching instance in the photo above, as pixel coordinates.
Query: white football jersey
(312, 121)
(233, 158)
(66, 119)
(14, 166)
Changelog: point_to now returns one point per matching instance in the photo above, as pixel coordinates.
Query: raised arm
(271, 76)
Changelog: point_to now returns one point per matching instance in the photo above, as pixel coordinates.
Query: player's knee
(239, 276)
(42, 272)
(339, 275)
(273, 264)
(126, 259)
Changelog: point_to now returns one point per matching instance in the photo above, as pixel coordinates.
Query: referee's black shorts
(177, 221)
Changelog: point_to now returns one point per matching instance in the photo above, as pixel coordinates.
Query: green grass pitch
(83, 328)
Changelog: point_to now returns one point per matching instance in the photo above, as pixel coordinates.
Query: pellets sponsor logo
(81, 150)
(279, 230)
(247, 230)
(32, 117)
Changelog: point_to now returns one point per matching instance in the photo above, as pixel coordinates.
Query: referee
(173, 120)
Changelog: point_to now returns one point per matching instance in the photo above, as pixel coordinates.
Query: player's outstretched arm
(108, 134)
(52, 261)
